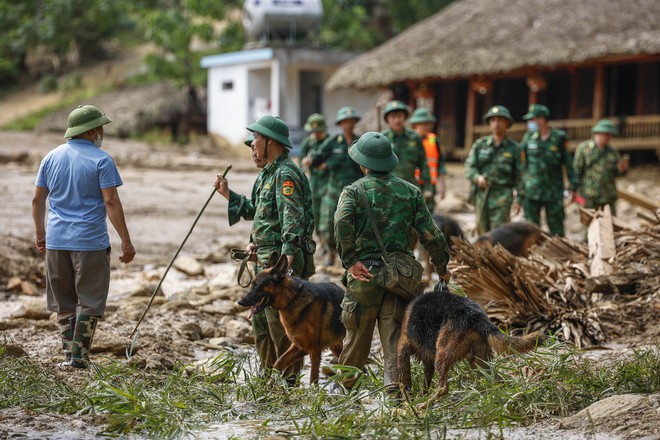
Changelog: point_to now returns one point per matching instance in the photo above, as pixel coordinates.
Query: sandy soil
(164, 189)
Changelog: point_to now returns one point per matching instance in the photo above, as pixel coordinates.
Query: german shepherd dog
(310, 313)
(441, 329)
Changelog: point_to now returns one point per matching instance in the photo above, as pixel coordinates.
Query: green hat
(272, 127)
(315, 123)
(422, 115)
(393, 106)
(374, 151)
(347, 113)
(248, 140)
(537, 111)
(84, 118)
(498, 110)
(604, 126)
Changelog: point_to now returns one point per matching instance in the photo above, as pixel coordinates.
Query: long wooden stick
(134, 333)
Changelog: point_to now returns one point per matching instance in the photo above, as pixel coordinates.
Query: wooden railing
(636, 133)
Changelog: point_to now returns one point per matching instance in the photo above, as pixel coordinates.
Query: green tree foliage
(64, 29)
(364, 24)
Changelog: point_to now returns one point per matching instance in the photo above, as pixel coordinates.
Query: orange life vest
(432, 158)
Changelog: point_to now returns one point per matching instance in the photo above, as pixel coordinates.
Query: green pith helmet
(84, 118)
(393, 106)
(347, 113)
(604, 126)
(272, 127)
(248, 140)
(422, 115)
(374, 151)
(537, 111)
(498, 110)
(315, 123)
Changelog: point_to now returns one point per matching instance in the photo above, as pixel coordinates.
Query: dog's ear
(281, 268)
(272, 260)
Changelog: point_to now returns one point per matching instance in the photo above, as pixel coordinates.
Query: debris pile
(553, 290)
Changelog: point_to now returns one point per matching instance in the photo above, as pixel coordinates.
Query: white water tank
(281, 19)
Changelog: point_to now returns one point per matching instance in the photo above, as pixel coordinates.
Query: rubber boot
(67, 325)
(82, 340)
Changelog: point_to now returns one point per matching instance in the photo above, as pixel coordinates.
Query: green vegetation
(517, 390)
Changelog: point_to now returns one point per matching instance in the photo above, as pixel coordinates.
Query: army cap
(347, 113)
(393, 106)
(537, 111)
(422, 115)
(498, 110)
(604, 126)
(272, 127)
(315, 123)
(374, 151)
(248, 140)
(84, 118)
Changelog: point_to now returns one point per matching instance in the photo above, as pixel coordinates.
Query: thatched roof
(481, 37)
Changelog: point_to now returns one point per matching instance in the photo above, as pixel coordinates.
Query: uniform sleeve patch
(288, 188)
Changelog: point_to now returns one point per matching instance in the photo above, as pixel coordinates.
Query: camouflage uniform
(342, 171)
(318, 177)
(242, 207)
(501, 165)
(595, 173)
(410, 151)
(543, 178)
(398, 209)
(283, 223)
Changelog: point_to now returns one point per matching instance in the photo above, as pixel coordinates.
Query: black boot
(82, 340)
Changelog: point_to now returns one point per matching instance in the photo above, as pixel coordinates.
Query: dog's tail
(502, 343)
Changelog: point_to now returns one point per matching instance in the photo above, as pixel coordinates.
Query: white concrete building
(283, 81)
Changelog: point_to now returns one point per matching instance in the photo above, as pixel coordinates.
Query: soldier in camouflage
(283, 221)
(318, 175)
(343, 171)
(494, 168)
(544, 153)
(398, 209)
(597, 164)
(240, 207)
(408, 148)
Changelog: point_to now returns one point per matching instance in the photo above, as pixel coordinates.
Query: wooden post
(469, 116)
(599, 93)
(601, 242)
(573, 106)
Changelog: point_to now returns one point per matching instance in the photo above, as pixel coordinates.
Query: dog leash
(242, 256)
(134, 334)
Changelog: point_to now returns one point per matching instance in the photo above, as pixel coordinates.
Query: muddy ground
(195, 315)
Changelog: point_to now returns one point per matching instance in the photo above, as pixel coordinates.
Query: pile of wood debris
(554, 289)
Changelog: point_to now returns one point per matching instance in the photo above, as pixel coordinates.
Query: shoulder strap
(363, 196)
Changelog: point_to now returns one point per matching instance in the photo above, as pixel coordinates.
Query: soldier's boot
(82, 340)
(67, 325)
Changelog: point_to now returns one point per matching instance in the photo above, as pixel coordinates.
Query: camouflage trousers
(493, 208)
(595, 204)
(270, 338)
(554, 214)
(327, 220)
(364, 306)
(318, 191)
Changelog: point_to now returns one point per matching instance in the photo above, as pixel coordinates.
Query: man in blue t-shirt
(80, 182)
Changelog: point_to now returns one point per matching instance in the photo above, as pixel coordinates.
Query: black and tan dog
(310, 313)
(440, 329)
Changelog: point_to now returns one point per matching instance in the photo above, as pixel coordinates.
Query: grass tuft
(555, 381)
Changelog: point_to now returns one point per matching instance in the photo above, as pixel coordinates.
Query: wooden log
(601, 242)
(639, 200)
